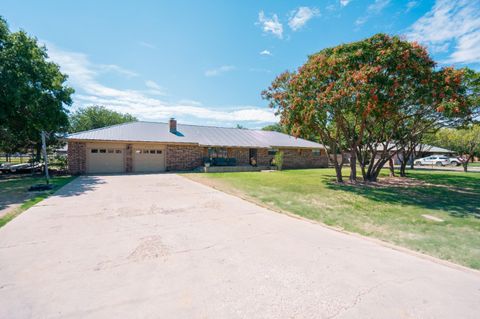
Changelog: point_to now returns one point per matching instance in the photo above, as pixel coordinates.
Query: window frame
(217, 152)
(272, 151)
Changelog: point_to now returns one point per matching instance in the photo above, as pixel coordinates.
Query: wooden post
(45, 157)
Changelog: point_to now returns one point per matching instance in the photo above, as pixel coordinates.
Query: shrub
(278, 160)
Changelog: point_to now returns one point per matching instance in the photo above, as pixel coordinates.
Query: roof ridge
(214, 126)
(102, 128)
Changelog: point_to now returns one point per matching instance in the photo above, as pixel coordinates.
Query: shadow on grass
(465, 181)
(457, 195)
(14, 191)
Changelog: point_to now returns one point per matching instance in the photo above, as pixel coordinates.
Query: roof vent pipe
(173, 125)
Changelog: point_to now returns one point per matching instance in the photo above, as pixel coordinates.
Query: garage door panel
(105, 159)
(151, 159)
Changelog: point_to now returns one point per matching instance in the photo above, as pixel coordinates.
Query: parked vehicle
(456, 161)
(437, 160)
(20, 168)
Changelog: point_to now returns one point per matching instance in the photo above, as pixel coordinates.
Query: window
(118, 151)
(103, 150)
(214, 152)
(152, 151)
(145, 151)
(138, 151)
(110, 151)
(316, 152)
(94, 150)
(159, 151)
(272, 151)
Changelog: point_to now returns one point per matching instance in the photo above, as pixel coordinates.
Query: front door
(253, 156)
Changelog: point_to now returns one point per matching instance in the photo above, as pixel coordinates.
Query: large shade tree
(33, 92)
(363, 97)
(97, 116)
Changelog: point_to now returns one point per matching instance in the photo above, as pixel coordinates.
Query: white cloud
(378, 6)
(83, 76)
(117, 69)
(152, 85)
(147, 45)
(361, 20)
(344, 3)
(154, 88)
(451, 24)
(270, 25)
(219, 70)
(260, 70)
(301, 16)
(266, 52)
(373, 9)
(411, 4)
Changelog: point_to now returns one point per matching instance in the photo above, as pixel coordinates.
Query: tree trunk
(391, 167)
(338, 166)
(403, 166)
(374, 171)
(353, 165)
(338, 172)
(465, 166)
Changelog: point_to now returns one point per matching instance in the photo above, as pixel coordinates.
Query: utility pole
(45, 157)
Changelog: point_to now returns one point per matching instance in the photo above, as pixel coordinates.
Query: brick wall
(241, 154)
(129, 158)
(77, 158)
(184, 157)
(294, 158)
(263, 159)
(303, 158)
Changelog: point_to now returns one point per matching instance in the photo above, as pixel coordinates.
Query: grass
(15, 160)
(16, 190)
(390, 213)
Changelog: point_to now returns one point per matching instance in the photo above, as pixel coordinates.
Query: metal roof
(193, 134)
(419, 148)
(432, 149)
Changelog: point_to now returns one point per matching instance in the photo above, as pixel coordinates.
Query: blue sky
(206, 62)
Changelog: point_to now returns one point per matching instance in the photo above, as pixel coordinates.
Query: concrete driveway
(162, 246)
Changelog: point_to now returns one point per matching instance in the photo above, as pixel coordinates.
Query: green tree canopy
(277, 127)
(97, 116)
(33, 92)
(359, 97)
(465, 141)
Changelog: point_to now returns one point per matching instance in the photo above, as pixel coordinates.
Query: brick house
(156, 147)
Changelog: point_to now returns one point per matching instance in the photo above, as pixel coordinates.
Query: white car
(456, 161)
(437, 160)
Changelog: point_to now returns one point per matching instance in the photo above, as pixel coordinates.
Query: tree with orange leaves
(359, 97)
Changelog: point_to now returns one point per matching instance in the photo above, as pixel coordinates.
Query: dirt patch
(390, 182)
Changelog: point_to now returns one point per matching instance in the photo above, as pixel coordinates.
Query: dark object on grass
(40, 187)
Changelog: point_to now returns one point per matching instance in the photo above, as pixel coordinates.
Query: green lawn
(390, 213)
(15, 190)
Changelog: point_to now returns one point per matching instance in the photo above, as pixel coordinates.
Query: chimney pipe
(173, 125)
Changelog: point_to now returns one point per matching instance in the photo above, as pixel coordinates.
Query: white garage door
(148, 159)
(105, 159)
